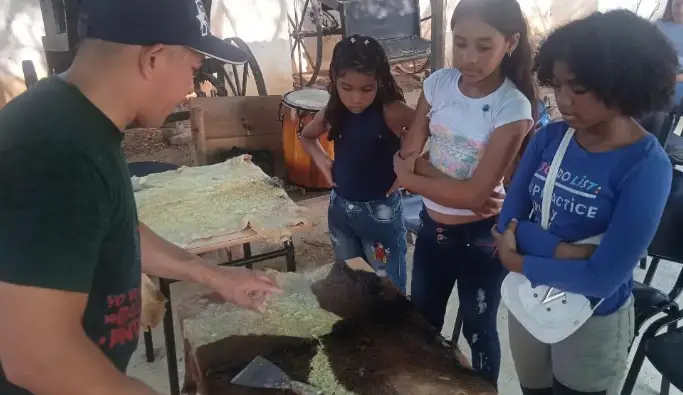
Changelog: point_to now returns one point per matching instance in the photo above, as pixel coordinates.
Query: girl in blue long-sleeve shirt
(614, 181)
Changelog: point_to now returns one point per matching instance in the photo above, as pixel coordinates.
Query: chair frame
(672, 312)
(670, 321)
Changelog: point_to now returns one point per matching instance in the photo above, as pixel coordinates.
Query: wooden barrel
(297, 110)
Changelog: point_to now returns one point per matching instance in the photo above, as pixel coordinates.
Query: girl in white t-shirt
(478, 115)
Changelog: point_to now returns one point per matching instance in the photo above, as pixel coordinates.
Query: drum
(297, 109)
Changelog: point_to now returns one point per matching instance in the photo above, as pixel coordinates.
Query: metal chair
(650, 301)
(662, 125)
(412, 205)
(395, 24)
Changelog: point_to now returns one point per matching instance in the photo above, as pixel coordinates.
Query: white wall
(21, 29)
(263, 25)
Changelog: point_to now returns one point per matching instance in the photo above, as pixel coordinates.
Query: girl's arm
(310, 143)
(531, 238)
(398, 116)
(414, 141)
(502, 147)
(634, 223)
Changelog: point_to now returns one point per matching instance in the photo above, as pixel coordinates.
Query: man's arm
(243, 287)
(161, 258)
(44, 350)
(54, 213)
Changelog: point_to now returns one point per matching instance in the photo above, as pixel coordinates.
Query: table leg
(246, 247)
(169, 334)
(149, 345)
(290, 256)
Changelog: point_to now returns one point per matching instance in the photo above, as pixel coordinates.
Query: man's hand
(240, 286)
(244, 287)
(492, 206)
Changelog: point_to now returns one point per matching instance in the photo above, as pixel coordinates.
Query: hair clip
(352, 39)
(367, 41)
(486, 108)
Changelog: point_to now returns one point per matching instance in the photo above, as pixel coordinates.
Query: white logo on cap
(201, 15)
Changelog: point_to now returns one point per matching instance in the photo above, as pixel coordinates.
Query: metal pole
(438, 34)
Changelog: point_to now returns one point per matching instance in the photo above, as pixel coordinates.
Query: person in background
(72, 249)
(671, 24)
(365, 117)
(478, 114)
(613, 181)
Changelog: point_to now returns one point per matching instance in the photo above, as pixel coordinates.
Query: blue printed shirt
(619, 193)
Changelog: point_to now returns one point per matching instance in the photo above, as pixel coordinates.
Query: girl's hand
(506, 244)
(326, 169)
(492, 206)
(403, 166)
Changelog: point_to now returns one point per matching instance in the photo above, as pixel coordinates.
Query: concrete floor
(155, 374)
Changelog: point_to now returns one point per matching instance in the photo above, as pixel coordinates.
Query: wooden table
(243, 238)
(379, 344)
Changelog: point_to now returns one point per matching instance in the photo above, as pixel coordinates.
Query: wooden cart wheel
(237, 76)
(310, 10)
(231, 80)
(30, 75)
(415, 66)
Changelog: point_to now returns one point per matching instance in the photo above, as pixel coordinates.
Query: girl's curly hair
(623, 59)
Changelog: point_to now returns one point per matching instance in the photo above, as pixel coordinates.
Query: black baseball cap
(150, 22)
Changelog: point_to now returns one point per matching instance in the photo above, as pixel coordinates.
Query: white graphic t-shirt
(460, 126)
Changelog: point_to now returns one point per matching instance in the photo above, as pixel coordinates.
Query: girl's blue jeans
(373, 230)
(464, 253)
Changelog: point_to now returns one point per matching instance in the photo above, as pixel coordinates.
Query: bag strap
(547, 197)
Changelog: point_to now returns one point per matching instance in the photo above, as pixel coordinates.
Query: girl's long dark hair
(668, 13)
(364, 55)
(506, 16)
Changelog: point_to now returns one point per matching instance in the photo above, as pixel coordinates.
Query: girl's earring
(509, 54)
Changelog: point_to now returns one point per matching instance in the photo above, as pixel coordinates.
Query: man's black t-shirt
(67, 212)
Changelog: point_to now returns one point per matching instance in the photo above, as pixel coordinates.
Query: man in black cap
(71, 246)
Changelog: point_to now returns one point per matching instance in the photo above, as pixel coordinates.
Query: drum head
(307, 99)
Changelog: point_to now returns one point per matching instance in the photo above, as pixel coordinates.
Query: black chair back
(667, 243)
(382, 19)
(660, 124)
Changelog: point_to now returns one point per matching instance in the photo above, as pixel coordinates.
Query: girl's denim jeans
(466, 253)
(373, 230)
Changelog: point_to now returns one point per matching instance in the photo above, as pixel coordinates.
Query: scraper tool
(261, 373)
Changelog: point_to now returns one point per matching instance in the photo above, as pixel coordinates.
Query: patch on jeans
(481, 301)
(379, 253)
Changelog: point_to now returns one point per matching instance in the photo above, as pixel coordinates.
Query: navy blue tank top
(363, 168)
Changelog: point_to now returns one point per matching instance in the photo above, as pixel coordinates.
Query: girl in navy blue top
(613, 180)
(365, 118)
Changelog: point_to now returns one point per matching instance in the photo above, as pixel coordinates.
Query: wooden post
(198, 137)
(438, 32)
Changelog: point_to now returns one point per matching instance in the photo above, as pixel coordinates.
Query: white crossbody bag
(549, 314)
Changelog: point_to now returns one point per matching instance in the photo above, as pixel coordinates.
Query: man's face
(168, 73)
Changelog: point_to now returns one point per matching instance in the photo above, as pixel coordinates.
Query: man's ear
(149, 59)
